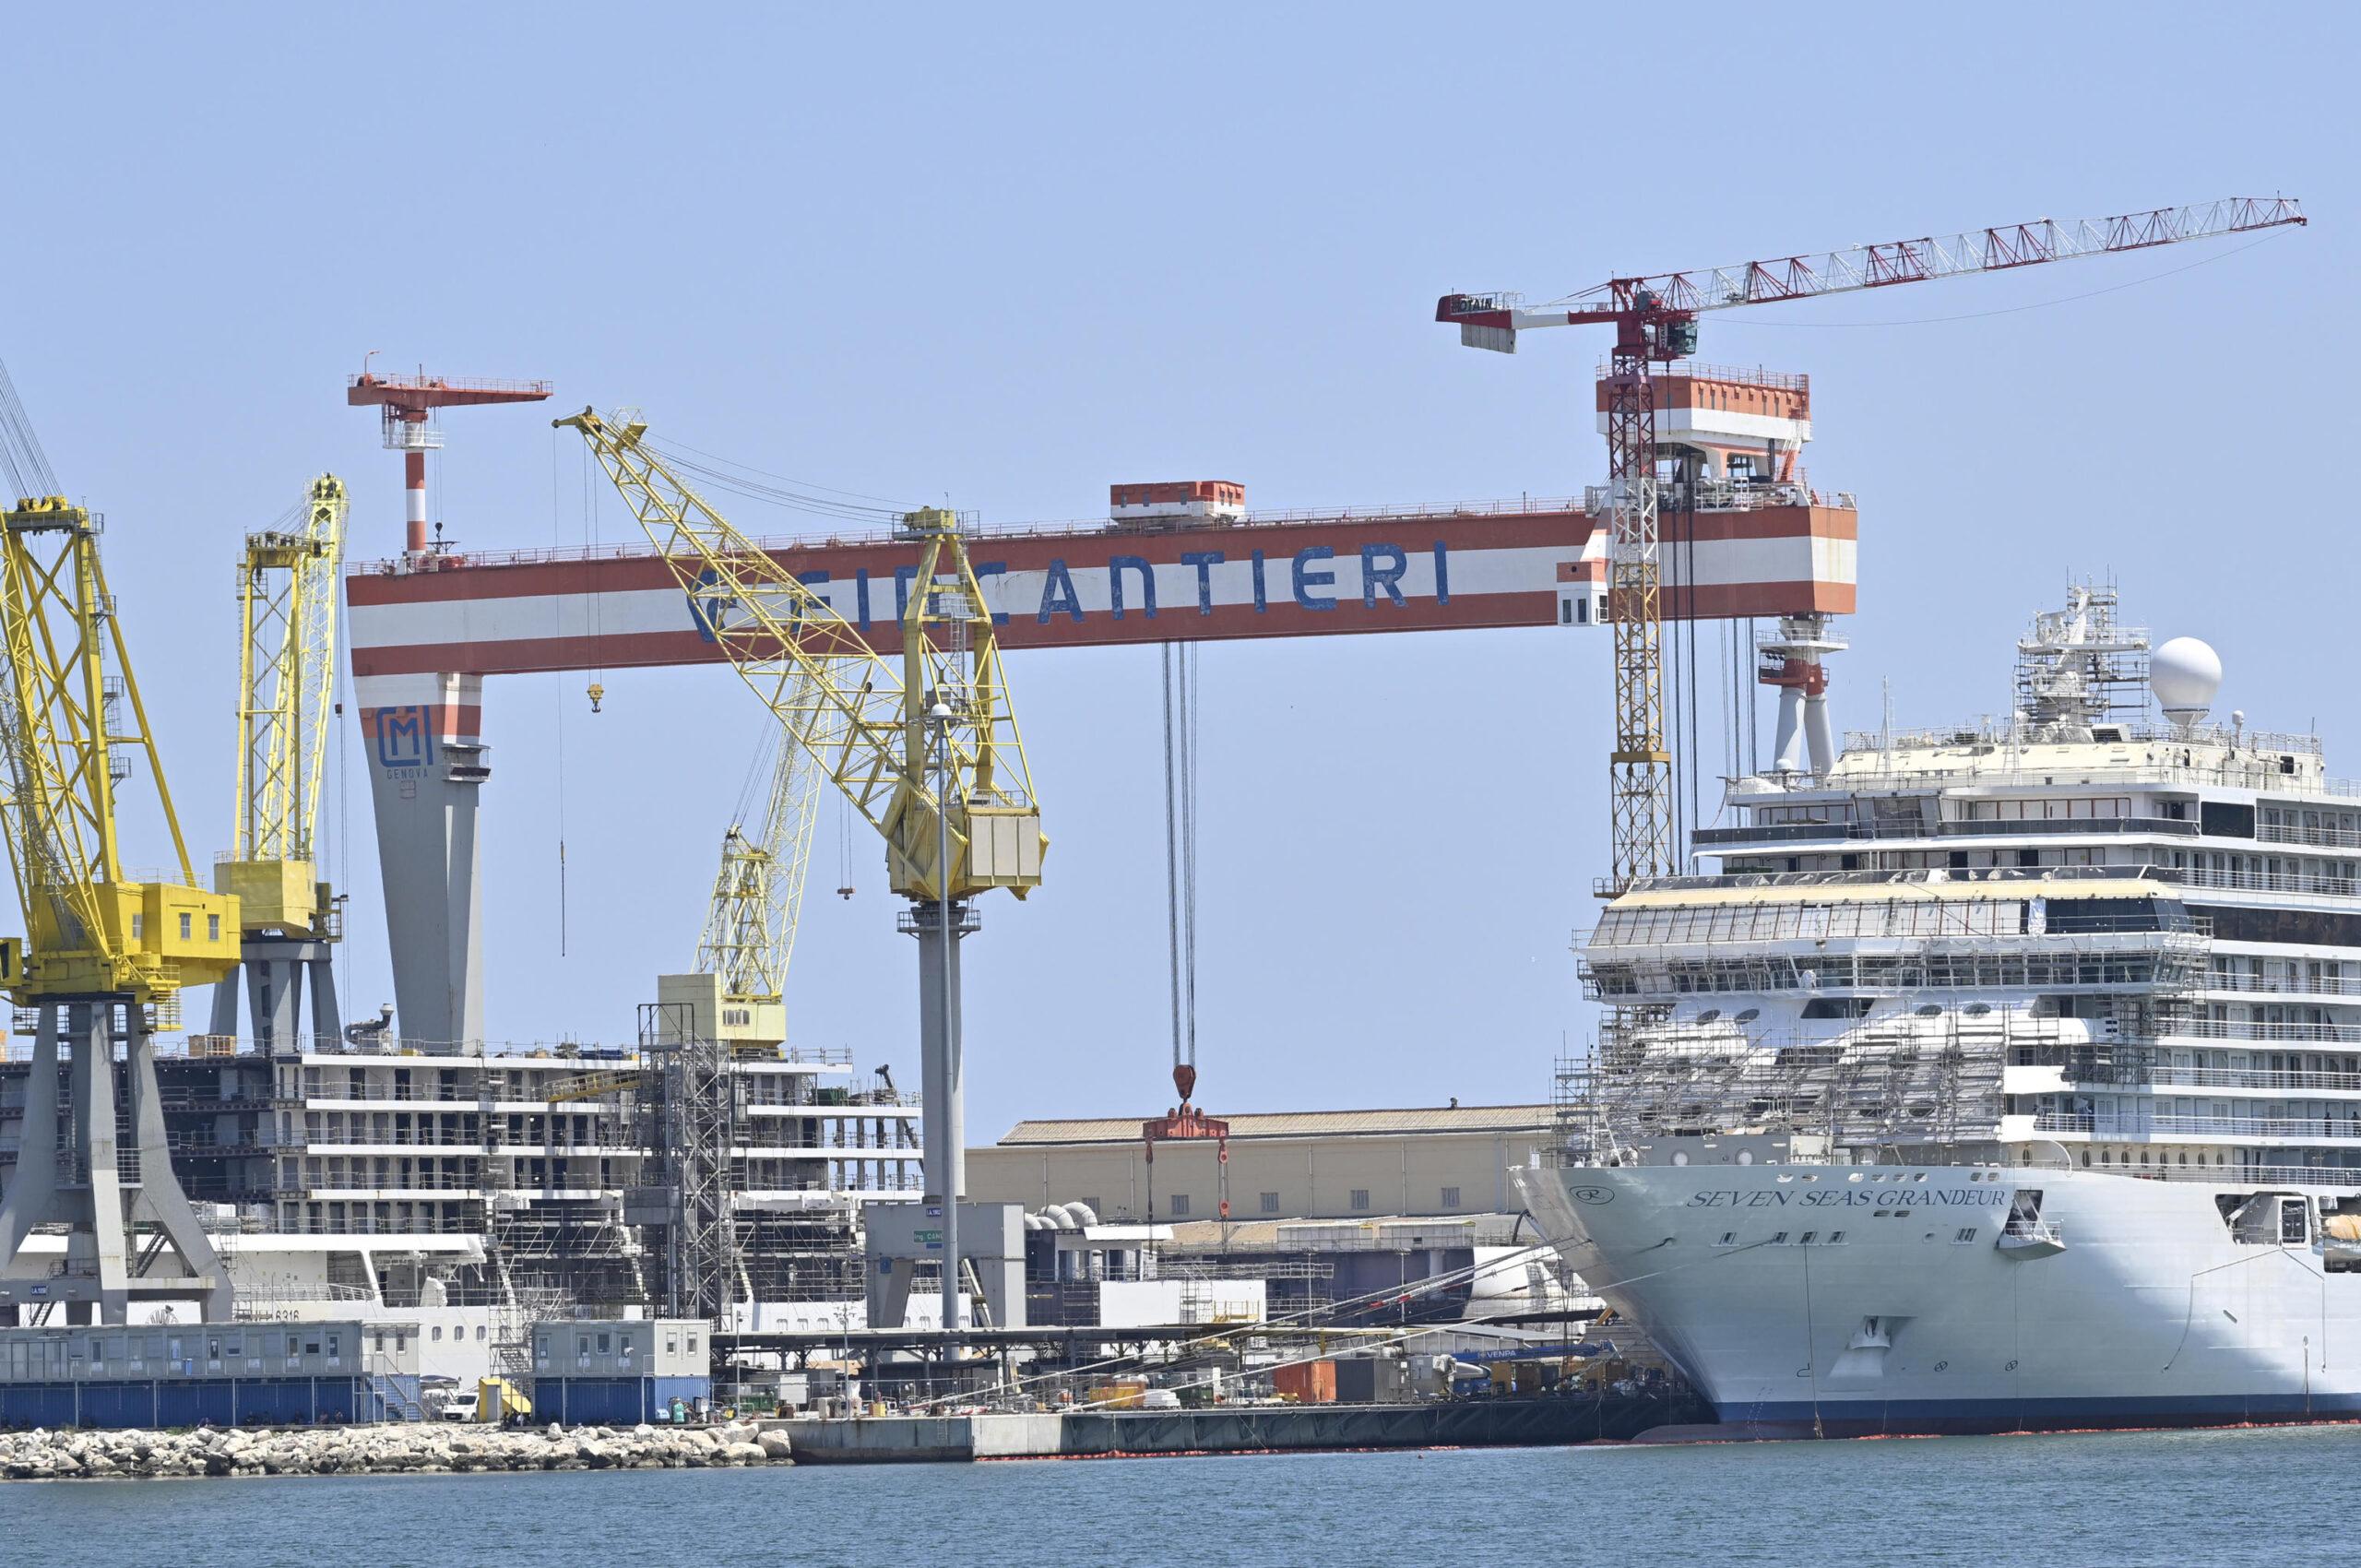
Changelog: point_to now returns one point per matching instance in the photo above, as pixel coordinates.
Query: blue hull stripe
(1857, 1416)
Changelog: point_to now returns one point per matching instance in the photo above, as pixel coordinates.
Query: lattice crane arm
(71, 724)
(758, 895)
(1493, 320)
(862, 716)
(287, 590)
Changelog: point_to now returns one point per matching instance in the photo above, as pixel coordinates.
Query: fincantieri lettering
(1125, 585)
(1846, 1197)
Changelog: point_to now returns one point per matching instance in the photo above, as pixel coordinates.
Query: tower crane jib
(1655, 319)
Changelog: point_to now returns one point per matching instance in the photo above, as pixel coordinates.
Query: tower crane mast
(1655, 319)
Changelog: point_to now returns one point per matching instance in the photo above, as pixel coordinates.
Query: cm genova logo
(1590, 1195)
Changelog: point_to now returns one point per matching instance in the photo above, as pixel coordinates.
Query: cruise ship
(2001, 1077)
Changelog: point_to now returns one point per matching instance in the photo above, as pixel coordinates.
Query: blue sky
(1011, 256)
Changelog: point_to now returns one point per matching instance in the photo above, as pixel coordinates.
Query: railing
(2251, 1078)
(2307, 1129)
(2218, 1028)
(1599, 500)
(2033, 1230)
(2254, 1175)
(2276, 882)
(887, 532)
(2282, 985)
(1848, 832)
(2248, 773)
(2324, 837)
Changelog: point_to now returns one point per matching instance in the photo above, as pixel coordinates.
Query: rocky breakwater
(382, 1450)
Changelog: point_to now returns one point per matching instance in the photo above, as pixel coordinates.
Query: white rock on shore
(379, 1450)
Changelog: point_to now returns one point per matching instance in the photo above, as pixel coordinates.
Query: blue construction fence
(220, 1401)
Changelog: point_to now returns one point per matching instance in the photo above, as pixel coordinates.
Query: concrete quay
(1267, 1429)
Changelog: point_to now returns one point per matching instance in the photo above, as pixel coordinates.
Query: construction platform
(1263, 1429)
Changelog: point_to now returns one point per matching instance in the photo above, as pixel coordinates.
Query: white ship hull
(2141, 1310)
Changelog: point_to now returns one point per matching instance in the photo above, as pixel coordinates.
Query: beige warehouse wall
(1315, 1178)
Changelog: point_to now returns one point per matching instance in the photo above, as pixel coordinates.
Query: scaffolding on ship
(1927, 1077)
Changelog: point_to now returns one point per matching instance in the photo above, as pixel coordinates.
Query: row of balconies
(1790, 835)
(2339, 1130)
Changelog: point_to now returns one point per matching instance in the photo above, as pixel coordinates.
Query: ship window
(1709, 1014)
(1807, 1239)
(1835, 1237)
(1728, 1237)
(1747, 1016)
(1779, 1239)
(1965, 1233)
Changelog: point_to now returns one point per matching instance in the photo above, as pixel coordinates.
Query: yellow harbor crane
(924, 745)
(758, 898)
(287, 598)
(105, 954)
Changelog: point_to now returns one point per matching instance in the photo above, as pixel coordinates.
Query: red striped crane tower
(408, 403)
(1655, 319)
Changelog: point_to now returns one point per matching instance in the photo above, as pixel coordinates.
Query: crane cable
(1180, 664)
(29, 470)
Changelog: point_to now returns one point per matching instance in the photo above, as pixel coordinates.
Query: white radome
(2185, 674)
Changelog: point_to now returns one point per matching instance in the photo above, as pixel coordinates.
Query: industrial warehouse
(291, 1216)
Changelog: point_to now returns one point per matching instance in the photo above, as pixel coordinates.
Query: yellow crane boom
(862, 716)
(924, 746)
(287, 600)
(758, 895)
(105, 955)
(287, 592)
(73, 730)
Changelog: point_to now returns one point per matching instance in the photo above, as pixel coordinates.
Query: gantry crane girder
(72, 731)
(864, 717)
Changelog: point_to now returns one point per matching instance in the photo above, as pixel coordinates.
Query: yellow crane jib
(757, 899)
(287, 598)
(883, 729)
(70, 730)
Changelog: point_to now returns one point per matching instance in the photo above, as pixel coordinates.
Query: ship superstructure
(2088, 977)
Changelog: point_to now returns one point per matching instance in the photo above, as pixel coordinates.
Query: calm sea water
(2193, 1499)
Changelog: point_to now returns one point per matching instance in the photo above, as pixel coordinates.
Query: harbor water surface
(2180, 1498)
